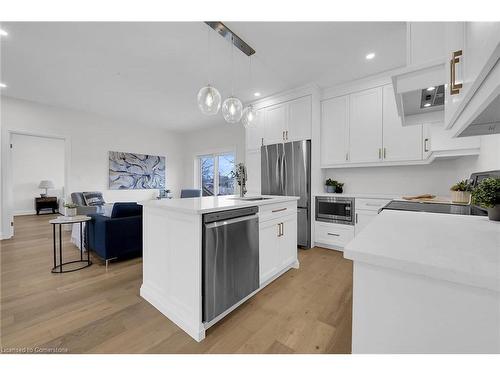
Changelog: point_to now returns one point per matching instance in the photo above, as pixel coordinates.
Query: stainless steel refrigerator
(286, 170)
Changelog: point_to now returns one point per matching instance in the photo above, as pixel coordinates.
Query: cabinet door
(365, 126)
(299, 119)
(269, 258)
(400, 143)
(334, 130)
(275, 126)
(255, 134)
(253, 171)
(363, 218)
(288, 241)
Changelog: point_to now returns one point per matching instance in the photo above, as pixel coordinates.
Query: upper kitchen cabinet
(275, 124)
(425, 42)
(299, 119)
(400, 143)
(365, 126)
(283, 122)
(335, 130)
(472, 75)
(254, 135)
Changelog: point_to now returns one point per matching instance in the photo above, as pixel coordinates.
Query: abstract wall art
(136, 171)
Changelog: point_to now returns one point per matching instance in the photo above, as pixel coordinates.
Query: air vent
(432, 97)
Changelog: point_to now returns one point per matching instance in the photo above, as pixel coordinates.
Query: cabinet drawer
(333, 234)
(275, 210)
(370, 204)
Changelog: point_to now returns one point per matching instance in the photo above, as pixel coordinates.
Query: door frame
(7, 230)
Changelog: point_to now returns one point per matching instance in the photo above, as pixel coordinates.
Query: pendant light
(249, 119)
(232, 108)
(209, 97)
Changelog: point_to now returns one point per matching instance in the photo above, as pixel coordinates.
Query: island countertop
(203, 205)
(457, 248)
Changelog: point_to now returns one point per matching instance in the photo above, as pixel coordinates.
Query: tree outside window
(215, 174)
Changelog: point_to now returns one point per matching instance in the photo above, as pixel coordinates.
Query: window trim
(214, 154)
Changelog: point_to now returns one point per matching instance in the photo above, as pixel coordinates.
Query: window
(215, 174)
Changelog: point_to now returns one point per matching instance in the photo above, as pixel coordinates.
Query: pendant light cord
(232, 66)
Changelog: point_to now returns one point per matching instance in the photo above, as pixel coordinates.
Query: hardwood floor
(93, 311)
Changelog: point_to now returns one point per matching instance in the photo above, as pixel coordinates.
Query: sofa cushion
(126, 209)
(77, 198)
(93, 198)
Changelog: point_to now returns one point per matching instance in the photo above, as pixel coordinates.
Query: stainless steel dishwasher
(230, 259)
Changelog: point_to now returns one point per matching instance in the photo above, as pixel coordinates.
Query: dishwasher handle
(216, 224)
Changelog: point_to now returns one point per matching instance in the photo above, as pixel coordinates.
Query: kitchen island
(174, 277)
(426, 283)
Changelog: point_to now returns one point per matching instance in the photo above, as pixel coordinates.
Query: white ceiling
(150, 73)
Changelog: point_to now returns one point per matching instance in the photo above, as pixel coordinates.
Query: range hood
(419, 92)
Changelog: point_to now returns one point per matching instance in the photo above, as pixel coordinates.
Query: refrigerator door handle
(283, 175)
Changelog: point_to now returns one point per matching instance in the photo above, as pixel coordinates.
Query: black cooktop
(440, 208)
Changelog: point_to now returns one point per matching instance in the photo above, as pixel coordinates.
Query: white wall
(89, 138)
(435, 178)
(35, 159)
(221, 138)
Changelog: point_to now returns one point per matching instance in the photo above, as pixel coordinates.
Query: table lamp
(45, 184)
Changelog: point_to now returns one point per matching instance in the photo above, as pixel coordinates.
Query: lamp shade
(46, 184)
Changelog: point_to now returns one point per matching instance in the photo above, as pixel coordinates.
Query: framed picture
(136, 171)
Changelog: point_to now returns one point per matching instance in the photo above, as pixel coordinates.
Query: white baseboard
(24, 212)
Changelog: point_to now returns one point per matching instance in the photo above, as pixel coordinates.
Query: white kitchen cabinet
(277, 245)
(400, 143)
(275, 123)
(365, 126)
(254, 135)
(335, 130)
(366, 209)
(299, 119)
(363, 217)
(252, 161)
(438, 140)
(476, 46)
(332, 235)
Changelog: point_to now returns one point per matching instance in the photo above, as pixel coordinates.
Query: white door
(255, 134)
(275, 126)
(334, 135)
(363, 218)
(288, 241)
(253, 171)
(269, 259)
(299, 119)
(400, 143)
(365, 126)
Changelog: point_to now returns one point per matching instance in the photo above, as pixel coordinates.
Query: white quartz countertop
(212, 204)
(360, 195)
(457, 248)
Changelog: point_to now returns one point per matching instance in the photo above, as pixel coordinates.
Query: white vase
(69, 211)
(460, 196)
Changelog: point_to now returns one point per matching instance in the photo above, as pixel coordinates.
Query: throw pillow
(93, 198)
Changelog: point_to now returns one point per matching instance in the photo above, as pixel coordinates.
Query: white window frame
(214, 154)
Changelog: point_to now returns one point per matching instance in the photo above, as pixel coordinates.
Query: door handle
(455, 59)
(426, 141)
(333, 234)
(385, 152)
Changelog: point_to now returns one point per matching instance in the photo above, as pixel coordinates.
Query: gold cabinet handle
(333, 234)
(279, 229)
(385, 152)
(279, 209)
(380, 153)
(283, 135)
(282, 229)
(454, 87)
(426, 141)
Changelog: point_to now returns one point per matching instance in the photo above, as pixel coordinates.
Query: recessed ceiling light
(3, 85)
(370, 56)
(432, 88)
(3, 32)
(427, 104)
(257, 94)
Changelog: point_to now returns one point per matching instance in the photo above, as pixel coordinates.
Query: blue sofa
(118, 236)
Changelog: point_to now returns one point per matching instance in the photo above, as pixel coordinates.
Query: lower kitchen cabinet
(363, 217)
(277, 245)
(366, 210)
(332, 235)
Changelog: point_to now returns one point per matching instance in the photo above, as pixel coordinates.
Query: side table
(58, 267)
(46, 202)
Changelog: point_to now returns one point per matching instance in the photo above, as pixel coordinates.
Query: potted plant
(461, 191)
(333, 186)
(70, 209)
(487, 195)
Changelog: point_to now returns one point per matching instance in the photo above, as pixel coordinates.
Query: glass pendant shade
(249, 119)
(232, 110)
(209, 100)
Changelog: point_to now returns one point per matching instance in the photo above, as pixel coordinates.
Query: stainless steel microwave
(335, 209)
